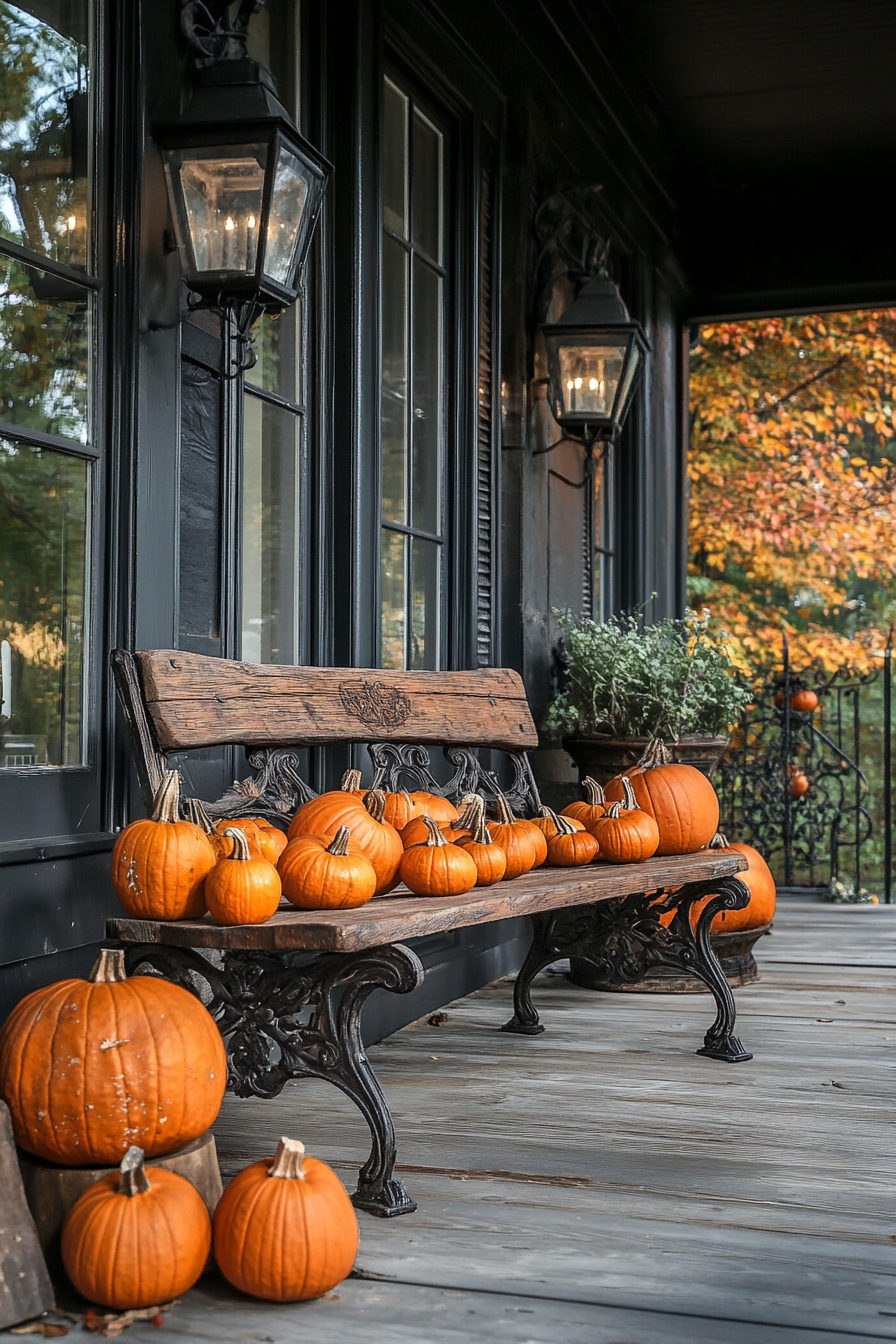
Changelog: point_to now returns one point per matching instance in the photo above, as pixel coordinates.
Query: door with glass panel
(50, 445)
(413, 384)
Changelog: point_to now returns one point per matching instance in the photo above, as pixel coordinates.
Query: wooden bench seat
(288, 994)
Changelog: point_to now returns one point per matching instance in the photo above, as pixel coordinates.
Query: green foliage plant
(623, 678)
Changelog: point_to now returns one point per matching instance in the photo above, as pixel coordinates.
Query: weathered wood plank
(398, 916)
(25, 1288)
(195, 701)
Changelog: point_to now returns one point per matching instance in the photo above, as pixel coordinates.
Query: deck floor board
(602, 1182)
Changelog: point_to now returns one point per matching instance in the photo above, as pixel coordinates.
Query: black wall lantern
(595, 354)
(245, 188)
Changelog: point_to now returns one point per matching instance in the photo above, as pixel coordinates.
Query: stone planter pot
(605, 757)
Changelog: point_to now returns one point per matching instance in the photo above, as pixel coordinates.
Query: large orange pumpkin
(159, 865)
(137, 1238)
(364, 818)
(90, 1067)
(285, 1229)
(681, 800)
(758, 877)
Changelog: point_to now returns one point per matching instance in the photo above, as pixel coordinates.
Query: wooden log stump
(51, 1190)
(25, 1287)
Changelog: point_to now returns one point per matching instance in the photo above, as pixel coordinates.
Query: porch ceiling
(784, 114)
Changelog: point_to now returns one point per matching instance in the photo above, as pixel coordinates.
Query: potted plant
(627, 683)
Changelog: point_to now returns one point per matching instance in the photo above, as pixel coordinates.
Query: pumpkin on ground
(285, 1229)
(626, 833)
(438, 868)
(138, 1237)
(364, 818)
(489, 857)
(681, 800)
(589, 809)
(518, 839)
(570, 845)
(320, 873)
(758, 878)
(90, 1067)
(442, 810)
(243, 888)
(159, 865)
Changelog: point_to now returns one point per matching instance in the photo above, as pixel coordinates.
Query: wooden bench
(286, 1015)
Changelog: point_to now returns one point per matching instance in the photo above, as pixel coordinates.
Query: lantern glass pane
(288, 201)
(628, 380)
(589, 377)
(221, 192)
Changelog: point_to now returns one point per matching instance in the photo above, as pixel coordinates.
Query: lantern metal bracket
(209, 33)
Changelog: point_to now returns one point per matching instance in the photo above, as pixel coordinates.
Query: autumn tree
(793, 483)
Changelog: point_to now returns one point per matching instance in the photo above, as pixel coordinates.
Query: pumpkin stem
(613, 811)
(479, 831)
(435, 836)
(719, 841)
(109, 968)
(564, 826)
(167, 800)
(240, 843)
(503, 809)
(340, 842)
(656, 753)
(134, 1180)
(351, 780)
(473, 807)
(288, 1159)
(375, 802)
(194, 810)
(594, 794)
(628, 794)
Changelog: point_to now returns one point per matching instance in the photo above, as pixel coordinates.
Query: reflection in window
(44, 351)
(269, 536)
(412, 426)
(43, 548)
(45, 127)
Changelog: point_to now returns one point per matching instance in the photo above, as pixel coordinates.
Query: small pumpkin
(571, 845)
(416, 832)
(681, 800)
(137, 1237)
(548, 823)
(324, 873)
(489, 857)
(284, 1228)
(799, 782)
(400, 808)
(364, 818)
(519, 840)
(758, 878)
(442, 811)
(802, 701)
(267, 837)
(438, 868)
(88, 1066)
(626, 833)
(589, 809)
(159, 865)
(243, 888)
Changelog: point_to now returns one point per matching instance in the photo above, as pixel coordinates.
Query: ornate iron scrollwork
(624, 938)
(276, 791)
(396, 764)
(282, 1021)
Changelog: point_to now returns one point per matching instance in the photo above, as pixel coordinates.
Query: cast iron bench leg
(257, 998)
(624, 938)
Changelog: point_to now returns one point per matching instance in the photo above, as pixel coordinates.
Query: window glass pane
(395, 381)
(43, 548)
(44, 351)
(392, 598)
(45, 133)
(270, 533)
(395, 160)
(276, 344)
(425, 605)
(427, 397)
(427, 187)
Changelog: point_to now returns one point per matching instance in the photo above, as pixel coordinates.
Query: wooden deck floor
(603, 1184)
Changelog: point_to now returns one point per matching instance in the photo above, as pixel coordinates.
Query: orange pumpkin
(138, 1237)
(268, 839)
(799, 782)
(320, 873)
(416, 832)
(758, 878)
(438, 868)
(519, 840)
(592, 808)
(159, 866)
(285, 1229)
(681, 800)
(442, 811)
(364, 818)
(626, 833)
(89, 1066)
(571, 845)
(244, 888)
(549, 824)
(400, 808)
(801, 701)
(489, 857)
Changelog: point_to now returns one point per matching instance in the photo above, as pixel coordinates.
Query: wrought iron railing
(812, 788)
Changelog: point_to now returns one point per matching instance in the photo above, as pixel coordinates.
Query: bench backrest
(196, 701)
